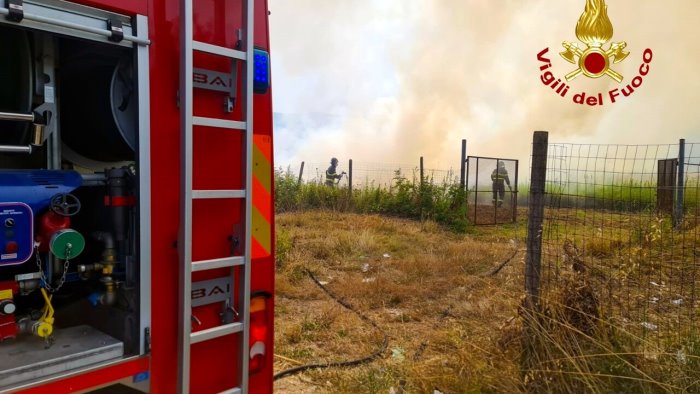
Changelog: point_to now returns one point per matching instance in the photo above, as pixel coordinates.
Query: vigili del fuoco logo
(594, 60)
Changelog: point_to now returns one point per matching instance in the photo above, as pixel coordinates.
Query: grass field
(455, 328)
(449, 325)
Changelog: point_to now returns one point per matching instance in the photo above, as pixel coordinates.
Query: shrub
(443, 203)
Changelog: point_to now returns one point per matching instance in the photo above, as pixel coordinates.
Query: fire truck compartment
(74, 191)
(77, 347)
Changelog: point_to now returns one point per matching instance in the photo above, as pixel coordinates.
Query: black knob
(7, 307)
(10, 222)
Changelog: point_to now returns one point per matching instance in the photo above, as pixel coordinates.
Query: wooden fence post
(678, 216)
(533, 258)
(422, 174)
(301, 172)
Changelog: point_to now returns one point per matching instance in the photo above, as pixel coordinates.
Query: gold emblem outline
(594, 29)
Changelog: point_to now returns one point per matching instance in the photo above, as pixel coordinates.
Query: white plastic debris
(436, 391)
(398, 354)
(365, 267)
(677, 302)
(653, 300)
(323, 282)
(368, 280)
(654, 284)
(649, 326)
(680, 356)
(386, 255)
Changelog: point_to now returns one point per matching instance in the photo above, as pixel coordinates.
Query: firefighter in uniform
(332, 176)
(499, 177)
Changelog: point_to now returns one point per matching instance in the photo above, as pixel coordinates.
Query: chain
(61, 281)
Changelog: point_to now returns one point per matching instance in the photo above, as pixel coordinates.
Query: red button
(11, 247)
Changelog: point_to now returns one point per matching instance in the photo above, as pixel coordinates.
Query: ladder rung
(204, 265)
(218, 50)
(232, 391)
(215, 332)
(221, 123)
(209, 194)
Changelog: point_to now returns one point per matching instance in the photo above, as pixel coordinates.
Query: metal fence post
(514, 195)
(350, 178)
(678, 216)
(463, 162)
(533, 259)
(301, 172)
(476, 191)
(497, 197)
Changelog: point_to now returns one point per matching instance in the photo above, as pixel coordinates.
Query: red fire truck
(136, 208)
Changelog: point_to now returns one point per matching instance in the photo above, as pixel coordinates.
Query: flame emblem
(594, 29)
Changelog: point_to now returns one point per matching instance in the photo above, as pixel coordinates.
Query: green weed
(444, 203)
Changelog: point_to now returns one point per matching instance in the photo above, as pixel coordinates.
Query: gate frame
(514, 191)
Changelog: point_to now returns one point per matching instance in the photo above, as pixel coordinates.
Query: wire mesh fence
(619, 240)
(372, 174)
(393, 189)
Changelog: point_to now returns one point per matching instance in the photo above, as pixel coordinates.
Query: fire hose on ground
(385, 343)
(339, 364)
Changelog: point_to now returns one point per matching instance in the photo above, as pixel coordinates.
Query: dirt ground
(489, 214)
(448, 322)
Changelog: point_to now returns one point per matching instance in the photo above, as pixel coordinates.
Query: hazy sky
(391, 80)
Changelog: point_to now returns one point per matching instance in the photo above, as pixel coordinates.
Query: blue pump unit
(36, 187)
(23, 194)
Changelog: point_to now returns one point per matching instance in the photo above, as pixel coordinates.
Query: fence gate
(492, 190)
(666, 184)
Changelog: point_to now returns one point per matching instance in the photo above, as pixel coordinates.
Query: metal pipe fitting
(17, 117)
(106, 238)
(16, 149)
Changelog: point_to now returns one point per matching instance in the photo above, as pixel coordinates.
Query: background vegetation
(444, 203)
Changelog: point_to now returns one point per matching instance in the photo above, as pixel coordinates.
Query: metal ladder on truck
(187, 266)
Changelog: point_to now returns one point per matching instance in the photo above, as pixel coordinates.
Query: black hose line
(338, 364)
(499, 267)
(346, 305)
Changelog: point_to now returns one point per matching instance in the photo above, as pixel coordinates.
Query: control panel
(16, 230)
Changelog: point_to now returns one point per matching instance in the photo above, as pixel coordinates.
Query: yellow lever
(44, 327)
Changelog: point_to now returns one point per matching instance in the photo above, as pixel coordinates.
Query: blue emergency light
(261, 79)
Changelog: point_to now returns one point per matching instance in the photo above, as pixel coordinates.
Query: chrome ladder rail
(187, 194)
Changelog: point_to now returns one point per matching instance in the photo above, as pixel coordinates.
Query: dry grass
(453, 328)
(449, 327)
(619, 305)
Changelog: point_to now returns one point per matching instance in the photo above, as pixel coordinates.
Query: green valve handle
(67, 244)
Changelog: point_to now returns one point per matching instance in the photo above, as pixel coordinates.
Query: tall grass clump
(569, 346)
(444, 203)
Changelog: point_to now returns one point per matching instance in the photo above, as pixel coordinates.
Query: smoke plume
(392, 80)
